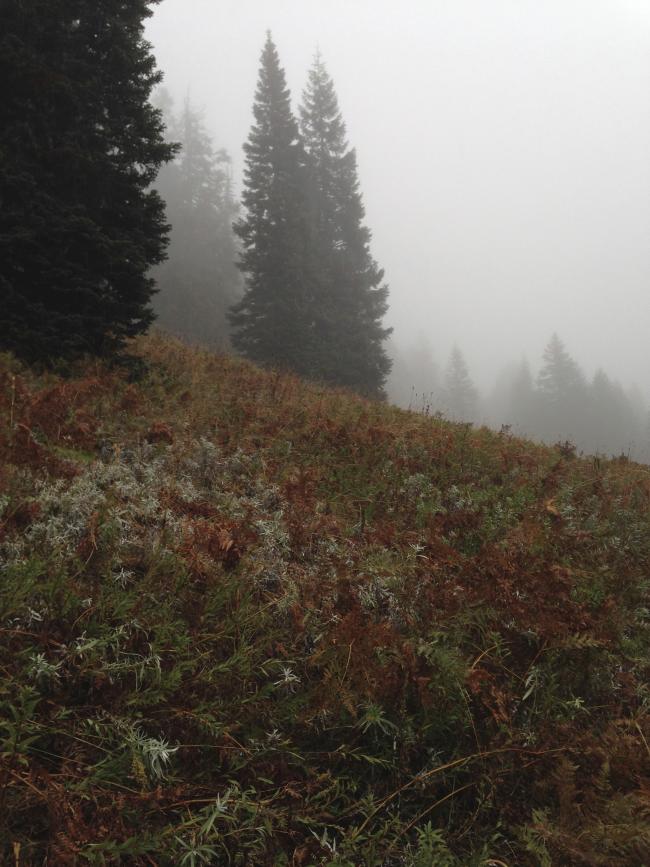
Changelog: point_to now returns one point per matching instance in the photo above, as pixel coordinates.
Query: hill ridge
(246, 619)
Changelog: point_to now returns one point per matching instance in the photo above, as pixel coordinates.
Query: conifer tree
(349, 299)
(560, 377)
(562, 394)
(199, 281)
(459, 394)
(80, 146)
(615, 420)
(272, 322)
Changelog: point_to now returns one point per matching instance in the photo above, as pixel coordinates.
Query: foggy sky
(504, 156)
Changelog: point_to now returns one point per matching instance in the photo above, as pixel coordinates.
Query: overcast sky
(504, 156)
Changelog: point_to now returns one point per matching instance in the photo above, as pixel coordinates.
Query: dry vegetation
(249, 621)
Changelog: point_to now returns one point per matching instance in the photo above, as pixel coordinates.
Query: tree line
(314, 297)
(115, 210)
(88, 166)
(199, 280)
(307, 295)
(557, 405)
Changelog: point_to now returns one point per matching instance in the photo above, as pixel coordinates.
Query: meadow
(249, 620)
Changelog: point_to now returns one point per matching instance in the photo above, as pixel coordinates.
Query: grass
(247, 620)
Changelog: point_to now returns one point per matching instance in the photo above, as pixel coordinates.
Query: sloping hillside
(245, 620)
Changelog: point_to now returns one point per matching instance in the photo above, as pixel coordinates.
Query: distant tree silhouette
(414, 378)
(616, 419)
(199, 281)
(460, 397)
(644, 449)
(562, 394)
(522, 398)
(560, 376)
(513, 398)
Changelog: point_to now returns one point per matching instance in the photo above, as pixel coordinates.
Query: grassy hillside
(245, 620)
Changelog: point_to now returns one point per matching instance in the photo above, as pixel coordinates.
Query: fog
(504, 157)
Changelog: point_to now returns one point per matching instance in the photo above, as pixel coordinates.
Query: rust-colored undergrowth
(250, 620)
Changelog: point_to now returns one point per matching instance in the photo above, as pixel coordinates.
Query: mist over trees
(199, 281)
(271, 322)
(459, 395)
(314, 298)
(558, 404)
(80, 145)
(415, 376)
(117, 209)
(313, 301)
(350, 299)
(249, 618)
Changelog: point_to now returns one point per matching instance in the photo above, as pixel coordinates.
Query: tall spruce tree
(563, 398)
(80, 146)
(349, 299)
(272, 322)
(199, 280)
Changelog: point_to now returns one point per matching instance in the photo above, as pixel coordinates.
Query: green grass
(247, 620)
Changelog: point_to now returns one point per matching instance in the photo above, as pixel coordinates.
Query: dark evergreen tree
(460, 397)
(349, 299)
(272, 322)
(80, 146)
(199, 281)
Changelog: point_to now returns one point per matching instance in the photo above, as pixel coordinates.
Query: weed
(248, 620)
